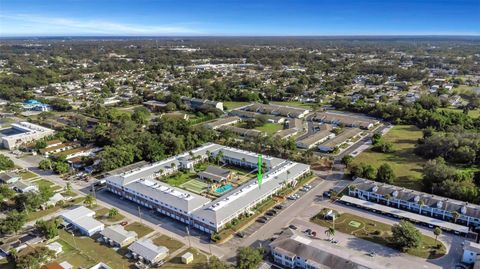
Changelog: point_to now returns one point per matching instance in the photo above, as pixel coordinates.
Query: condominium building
(140, 186)
(22, 133)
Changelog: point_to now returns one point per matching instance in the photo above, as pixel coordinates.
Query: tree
(437, 232)
(113, 213)
(216, 263)
(249, 258)
(61, 167)
(406, 236)
(13, 222)
(89, 200)
(34, 258)
(48, 228)
(347, 159)
(45, 164)
(376, 138)
(385, 174)
(330, 232)
(455, 216)
(6, 192)
(6, 163)
(140, 115)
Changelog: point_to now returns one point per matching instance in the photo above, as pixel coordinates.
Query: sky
(238, 17)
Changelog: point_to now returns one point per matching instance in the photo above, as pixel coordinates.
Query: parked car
(241, 234)
(279, 207)
(293, 227)
(261, 220)
(308, 231)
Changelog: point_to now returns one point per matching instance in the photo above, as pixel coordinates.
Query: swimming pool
(224, 188)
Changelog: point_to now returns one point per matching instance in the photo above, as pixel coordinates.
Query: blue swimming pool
(224, 188)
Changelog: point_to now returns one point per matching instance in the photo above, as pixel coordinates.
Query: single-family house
(117, 236)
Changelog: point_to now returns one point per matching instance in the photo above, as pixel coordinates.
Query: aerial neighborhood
(240, 153)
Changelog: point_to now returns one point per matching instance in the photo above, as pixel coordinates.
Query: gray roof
(117, 233)
(238, 199)
(215, 173)
(7, 176)
(162, 192)
(409, 195)
(292, 244)
(147, 249)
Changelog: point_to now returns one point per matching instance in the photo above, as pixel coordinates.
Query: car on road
(293, 227)
(334, 241)
(308, 231)
(371, 254)
(326, 194)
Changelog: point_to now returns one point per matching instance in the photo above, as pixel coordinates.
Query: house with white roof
(82, 219)
(117, 236)
(146, 251)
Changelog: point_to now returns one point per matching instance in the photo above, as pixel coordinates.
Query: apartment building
(23, 133)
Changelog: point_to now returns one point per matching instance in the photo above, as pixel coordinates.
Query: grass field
(26, 175)
(199, 261)
(405, 163)
(41, 213)
(139, 228)
(270, 128)
(472, 113)
(168, 242)
(379, 233)
(84, 252)
(195, 186)
(233, 105)
(179, 178)
(102, 215)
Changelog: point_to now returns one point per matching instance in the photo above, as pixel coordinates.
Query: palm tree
(387, 197)
(330, 232)
(455, 216)
(89, 200)
(437, 231)
(333, 196)
(113, 212)
(421, 203)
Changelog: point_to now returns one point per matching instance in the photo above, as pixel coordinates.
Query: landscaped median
(377, 232)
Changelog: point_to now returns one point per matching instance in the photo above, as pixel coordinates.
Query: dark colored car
(241, 235)
(279, 207)
(293, 227)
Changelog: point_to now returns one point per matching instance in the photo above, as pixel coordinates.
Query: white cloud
(25, 24)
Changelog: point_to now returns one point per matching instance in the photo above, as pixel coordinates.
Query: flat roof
(405, 214)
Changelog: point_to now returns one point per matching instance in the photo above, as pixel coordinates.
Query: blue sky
(241, 17)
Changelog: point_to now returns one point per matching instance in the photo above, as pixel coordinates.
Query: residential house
(9, 177)
(146, 251)
(117, 236)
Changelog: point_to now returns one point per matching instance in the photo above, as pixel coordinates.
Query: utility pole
(140, 214)
(188, 237)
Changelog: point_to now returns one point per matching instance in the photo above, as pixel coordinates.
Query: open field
(195, 186)
(379, 233)
(179, 178)
(26, 175)
(404, 162)
(233, 105)
(270, 128)
(84, 251)
(199, 261)
(139, 228)
(102, 215)
(168, 242)
(41, 213)
(472, 113)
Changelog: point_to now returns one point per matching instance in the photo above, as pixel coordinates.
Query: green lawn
(195, 186)
(84, 249)
(379, 233)
(472, 113)
(199, 261)
(139, 228)
(179, 178)
(41, 213)
(233, 105)
(168, 242)
(26, 175)
(405, 163)
(270, 128)
(294, 104)
(102, 215)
